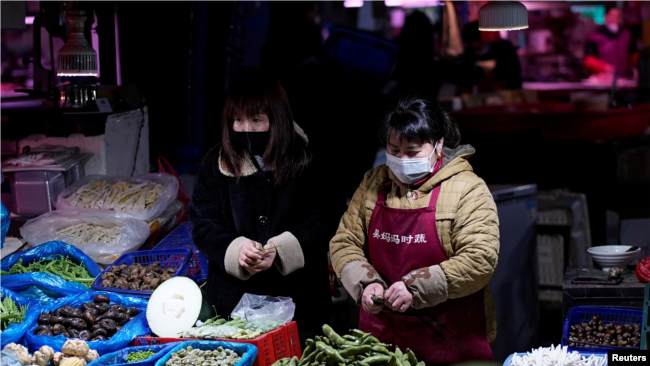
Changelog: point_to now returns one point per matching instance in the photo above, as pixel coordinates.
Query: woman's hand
(373, 289)
(268, 256)
(251, 258)
(398, 297)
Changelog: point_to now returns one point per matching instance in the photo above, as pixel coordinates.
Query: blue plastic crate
(167, 258)
(645, 327)
(181, 237)
(580, 314)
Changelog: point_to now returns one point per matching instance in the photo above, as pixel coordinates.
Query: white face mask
(613, 27)
(409, 171)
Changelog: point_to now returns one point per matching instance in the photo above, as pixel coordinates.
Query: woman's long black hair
(416, 118)
(255, 92)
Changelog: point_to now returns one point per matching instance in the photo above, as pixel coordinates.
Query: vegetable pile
(10, 313)
(597, 333)
(62, 266)
(235, 329)
(139, 356)
(74, 353)
(556, 356)
(87, 233)
(94, 321)
(136, 277)
(121, 196)
(358, 349)
(193, 357)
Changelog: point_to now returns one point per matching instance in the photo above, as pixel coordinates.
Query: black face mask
(255, 142)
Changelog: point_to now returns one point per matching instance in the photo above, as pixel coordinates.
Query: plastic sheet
(248, 352)
(44, 228)
(6, 221)
(43, 287)
(256, 308)
(167, 195)
(16, 332)
(48, 249)
(134, 328)
(118, 358)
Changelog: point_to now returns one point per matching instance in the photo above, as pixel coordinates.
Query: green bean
(320, 357)
(411, 357)
(398, 353)
(380, 349)
(392, 361)
(366, 339)
(309, 354)
(353, 351)
(309, 341)
(361, 363)
(330, 352)
(377, 359)
(326, 340)
(357, 333)
(336, 339)
(351, 338)
(406, 363)
(421, 363)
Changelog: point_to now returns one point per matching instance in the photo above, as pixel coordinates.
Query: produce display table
(628, 294)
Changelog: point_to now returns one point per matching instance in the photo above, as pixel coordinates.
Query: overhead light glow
(29, 20)
(413, 3)
(353, 3)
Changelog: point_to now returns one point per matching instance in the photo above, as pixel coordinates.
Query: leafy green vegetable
(10, 313)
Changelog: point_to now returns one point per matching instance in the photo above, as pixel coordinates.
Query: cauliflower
(20, 353)
(91, 356)
(75, 347)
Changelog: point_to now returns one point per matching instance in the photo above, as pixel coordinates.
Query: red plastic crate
(294, 339)
(280, 343)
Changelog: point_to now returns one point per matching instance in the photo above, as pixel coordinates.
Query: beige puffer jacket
(467, 225)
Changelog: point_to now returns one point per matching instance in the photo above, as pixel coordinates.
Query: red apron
(400, 241)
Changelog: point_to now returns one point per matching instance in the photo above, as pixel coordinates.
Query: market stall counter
(628, 294)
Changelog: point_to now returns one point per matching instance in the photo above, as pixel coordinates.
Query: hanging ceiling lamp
(503, 15)
(77, 57)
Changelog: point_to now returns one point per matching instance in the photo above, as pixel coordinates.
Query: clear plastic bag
(167, 195)
(264, 309)
(45, 227)
(118, 358)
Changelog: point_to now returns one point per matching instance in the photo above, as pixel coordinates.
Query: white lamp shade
(503, 15)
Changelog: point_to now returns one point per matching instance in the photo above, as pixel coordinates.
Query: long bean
(62, 266)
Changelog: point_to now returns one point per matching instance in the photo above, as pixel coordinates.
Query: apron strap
(434, 198)
(383, 192)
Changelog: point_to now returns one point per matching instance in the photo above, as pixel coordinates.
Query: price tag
(103, 105)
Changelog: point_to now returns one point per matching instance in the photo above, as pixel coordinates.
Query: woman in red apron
(433, 283)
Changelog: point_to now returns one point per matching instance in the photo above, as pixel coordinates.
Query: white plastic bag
(261, 309)
(45, 227)
(167, 195)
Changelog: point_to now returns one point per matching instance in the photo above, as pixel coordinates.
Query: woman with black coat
(260, 187)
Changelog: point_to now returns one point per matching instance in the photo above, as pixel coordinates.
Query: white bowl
(609, 256)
